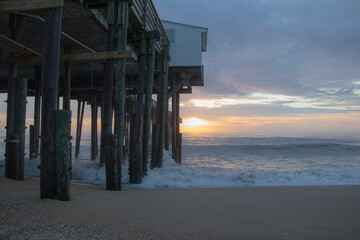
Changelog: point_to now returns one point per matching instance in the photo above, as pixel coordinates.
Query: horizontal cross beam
(180, 85)
(185, 90)
(15, 47)
(72, 57)
(26, 5)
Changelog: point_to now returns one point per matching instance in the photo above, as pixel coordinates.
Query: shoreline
(282, 212)
(134, 186)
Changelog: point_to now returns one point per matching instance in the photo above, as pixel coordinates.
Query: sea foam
(236, 162)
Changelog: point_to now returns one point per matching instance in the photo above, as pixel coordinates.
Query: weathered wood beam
(95, 3)
(178, 134)
(166, 143)
(187, 90)
(94, 131)
(16, 47)
(50, 85)
(16, 23)
(120, 88)
(111, 180)
(79, 122)
(19, 125)
(107, 106)
(148, 98)
(164, 102)
(72, 57)
(180, 85)
(62, 156)
(178, 148)
(136, 145)
(25, 5)
(98, 3)
(173, 119)
(67, 82)
(16, 163)
(155, 152)
(32, 142)
(37, 108)
(12, 147)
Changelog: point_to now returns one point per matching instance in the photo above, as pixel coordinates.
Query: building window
(204, 41)
(171, 35)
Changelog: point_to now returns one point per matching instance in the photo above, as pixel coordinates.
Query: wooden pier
(112, 55)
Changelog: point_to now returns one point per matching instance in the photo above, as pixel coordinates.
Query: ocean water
(236, 162)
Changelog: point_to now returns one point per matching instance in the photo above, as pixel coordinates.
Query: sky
(274, 67)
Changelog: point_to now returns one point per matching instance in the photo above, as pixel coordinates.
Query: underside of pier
(112, 55)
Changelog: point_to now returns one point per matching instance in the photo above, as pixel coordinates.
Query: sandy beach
(317, 212)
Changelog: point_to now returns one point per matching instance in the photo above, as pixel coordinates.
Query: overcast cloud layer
(277, 56)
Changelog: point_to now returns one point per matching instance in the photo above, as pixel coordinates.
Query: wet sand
(316, 212)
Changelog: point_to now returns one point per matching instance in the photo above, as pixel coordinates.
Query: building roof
(182, 24)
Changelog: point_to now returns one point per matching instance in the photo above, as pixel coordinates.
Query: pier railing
(145, 11)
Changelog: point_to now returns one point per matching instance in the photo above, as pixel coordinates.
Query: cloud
(305, 50)
(258, 98)
(301, 124)
(282, 44)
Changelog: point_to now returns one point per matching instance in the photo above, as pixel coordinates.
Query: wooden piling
(49, 100)
(107, 108)
(179, 148)
(155, 163)
(37, 109)
(62, 149)
(173, 119)
(67, 82)
(136, 145)
(131, 151)
(127, 130)
(178, 136)
(12, 167)
(94, 131)
(166, 141)
(155, 140)
(164, 100)
(120, 88)
(32, 144)
(108, 150)
(70, 157)
(19, 124)
(67, 99)
(15, 22)
(111, 159)
(148, 97)
(80, 117)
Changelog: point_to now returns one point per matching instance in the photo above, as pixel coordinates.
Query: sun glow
(193, 122)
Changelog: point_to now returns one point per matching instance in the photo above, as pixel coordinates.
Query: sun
(193, 122)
